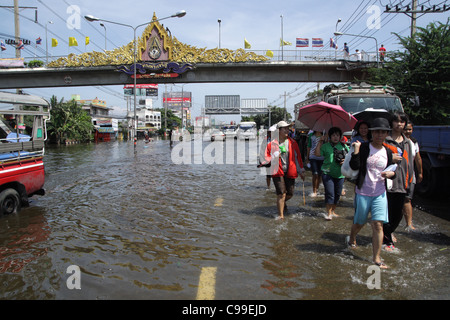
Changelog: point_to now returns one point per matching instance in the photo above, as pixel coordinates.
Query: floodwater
(139, 226)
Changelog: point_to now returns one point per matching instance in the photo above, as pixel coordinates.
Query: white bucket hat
(282, 124)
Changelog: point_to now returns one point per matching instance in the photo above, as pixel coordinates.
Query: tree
(172, 120)
(69, 121)
(276, 115)
(422, 68)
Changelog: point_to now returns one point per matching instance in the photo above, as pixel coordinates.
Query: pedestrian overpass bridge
(280, 71)
(161, 58)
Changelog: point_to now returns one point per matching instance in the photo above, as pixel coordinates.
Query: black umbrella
(369, 114)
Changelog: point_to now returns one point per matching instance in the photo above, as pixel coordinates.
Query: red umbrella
(322, 116)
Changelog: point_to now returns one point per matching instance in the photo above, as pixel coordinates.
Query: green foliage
(276, 115)
(35, 63)
(172, 120)
(422, 68)
(69, 121)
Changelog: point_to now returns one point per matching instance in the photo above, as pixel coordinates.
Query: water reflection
(140, 227)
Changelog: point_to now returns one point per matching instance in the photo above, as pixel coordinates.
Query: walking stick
(304, 201)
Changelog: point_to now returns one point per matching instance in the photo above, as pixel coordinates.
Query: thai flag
(317, 42)
(333, 44)
(302, 42)
(3, 46)
(20, 46)
(38, 40)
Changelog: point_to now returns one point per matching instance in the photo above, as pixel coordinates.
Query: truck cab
(22, 144)
(363, 97)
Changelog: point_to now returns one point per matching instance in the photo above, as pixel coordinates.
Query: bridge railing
(315, 55)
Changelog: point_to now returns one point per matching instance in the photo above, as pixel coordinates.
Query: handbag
(345, 169)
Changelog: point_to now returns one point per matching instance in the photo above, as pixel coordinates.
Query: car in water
(217, 135)
(230, 132)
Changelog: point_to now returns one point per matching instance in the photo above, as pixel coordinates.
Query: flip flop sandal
(381, 264)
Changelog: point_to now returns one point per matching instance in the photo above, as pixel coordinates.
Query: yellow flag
(73, 42)
(285, 43)
(87, 41)
(247, 44)
(269, 53)
(54, 42)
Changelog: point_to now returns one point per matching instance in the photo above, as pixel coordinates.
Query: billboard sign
(174, 100)
(223, 104)
(149, 90)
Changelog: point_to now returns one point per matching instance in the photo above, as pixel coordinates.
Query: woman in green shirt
(333, 153)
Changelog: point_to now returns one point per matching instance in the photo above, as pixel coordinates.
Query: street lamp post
(105, 33)
(90, 18)
(335, 42)
(357, 35)
(219, 21)
(46, 42)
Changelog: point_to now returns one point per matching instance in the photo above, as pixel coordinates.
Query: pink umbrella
(322, 116)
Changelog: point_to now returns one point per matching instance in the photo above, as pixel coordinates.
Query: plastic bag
(345, 169)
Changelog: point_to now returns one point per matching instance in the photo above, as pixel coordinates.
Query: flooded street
(141, 227)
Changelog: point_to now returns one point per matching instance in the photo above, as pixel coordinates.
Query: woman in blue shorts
(372, 159)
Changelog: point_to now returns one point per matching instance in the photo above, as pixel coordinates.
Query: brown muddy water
(139, 226)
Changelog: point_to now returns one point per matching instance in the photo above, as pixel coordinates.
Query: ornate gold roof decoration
(170, 48)
(190, 54)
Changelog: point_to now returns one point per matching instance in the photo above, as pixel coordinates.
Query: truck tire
(9, 202)
(428, 185)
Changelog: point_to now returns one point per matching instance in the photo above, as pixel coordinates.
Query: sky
(260, 22)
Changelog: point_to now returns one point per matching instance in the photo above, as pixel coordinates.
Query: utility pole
(413, 18)
(412, 11)
(16, 26)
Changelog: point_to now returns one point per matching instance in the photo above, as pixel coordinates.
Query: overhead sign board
(254, 106)
(223, 104)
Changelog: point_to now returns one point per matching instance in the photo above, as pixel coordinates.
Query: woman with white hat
(286, 164)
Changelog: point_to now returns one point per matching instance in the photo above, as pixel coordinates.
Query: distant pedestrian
(358, 55)
(286, 165)
(170, 137)
(372, 159)
(382, 52)
(346, 51)
(407, 207)
(333, 153)
(401, 146)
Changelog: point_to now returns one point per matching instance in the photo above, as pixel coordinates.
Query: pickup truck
(22, 141)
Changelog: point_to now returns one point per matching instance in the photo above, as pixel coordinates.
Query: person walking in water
(402, 148)
(315, 161)
(333, 153)
(372, 159)
(286, 165)
(407, 207)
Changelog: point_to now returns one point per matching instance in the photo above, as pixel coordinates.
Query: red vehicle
(22, 141)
